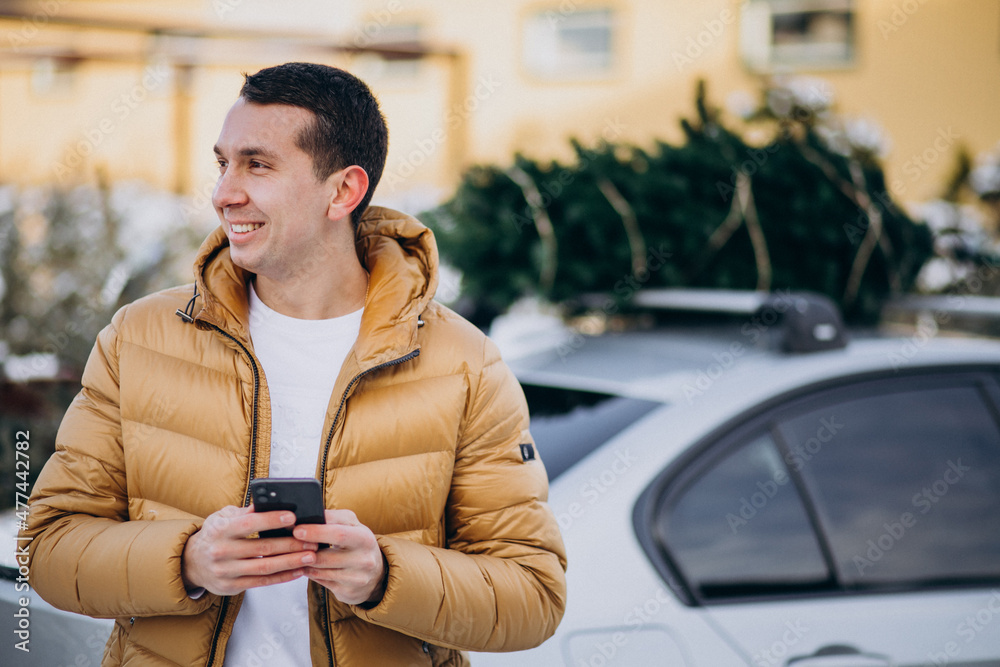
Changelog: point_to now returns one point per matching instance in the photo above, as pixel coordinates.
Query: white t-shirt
(300, 360)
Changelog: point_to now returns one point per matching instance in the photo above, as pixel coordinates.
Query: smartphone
(300, 495)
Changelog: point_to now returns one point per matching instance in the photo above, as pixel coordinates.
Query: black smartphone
(300, 495)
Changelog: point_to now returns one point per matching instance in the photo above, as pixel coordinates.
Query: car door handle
(840, 655)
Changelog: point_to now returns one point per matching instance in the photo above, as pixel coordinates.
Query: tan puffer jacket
(423, 434)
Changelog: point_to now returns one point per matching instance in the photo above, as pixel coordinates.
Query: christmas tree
(805, 209)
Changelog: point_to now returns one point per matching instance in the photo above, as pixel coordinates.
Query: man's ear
(349, 187)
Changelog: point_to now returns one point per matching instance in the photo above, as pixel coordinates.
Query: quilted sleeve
(501, 584)
(85, 555)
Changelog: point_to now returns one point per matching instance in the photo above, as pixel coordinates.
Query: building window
(798, 34)
(394, 50)
(559, 43)
(53, 77)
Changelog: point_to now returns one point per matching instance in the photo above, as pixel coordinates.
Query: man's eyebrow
(250, 152)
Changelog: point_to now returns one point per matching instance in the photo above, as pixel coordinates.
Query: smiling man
(309, 346)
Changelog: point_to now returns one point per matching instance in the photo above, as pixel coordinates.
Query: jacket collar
(397, 250)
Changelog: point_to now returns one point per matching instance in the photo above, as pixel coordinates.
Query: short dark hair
(349, 129)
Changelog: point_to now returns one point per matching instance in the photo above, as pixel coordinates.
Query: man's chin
(243, 260)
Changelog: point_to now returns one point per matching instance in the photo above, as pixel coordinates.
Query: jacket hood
(398, 252)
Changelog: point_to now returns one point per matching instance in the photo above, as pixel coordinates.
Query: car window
(883, 484)
(568, 424)
(741, 528)
(905, 483)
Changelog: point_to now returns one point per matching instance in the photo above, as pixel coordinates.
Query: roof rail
(961, 314)
(809, 322)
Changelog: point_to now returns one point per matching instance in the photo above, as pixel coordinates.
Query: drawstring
(188, 313)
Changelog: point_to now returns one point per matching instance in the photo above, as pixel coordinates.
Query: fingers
(353, 577)
(263, 567)
(220, 559)
(246, 583)
(337, 535)
(226, 570)
(345, 517)
(232, 524)
(353, 568)
(238, 522)
(271, 546)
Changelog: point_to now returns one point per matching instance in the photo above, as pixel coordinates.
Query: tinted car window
(905, 483)
(568, 424)
(740, 527)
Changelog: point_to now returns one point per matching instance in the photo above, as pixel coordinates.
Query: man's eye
(221, 164)
(257, 165)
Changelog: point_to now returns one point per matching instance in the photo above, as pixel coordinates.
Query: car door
(858, 525)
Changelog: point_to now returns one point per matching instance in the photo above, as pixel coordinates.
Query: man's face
(269, 201)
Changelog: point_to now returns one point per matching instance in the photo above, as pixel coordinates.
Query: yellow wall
(925, 71)
(113, 117)
(933, 78)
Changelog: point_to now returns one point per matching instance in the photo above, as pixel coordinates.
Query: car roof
(676, 364)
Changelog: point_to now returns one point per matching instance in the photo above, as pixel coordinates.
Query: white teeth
(240, 229)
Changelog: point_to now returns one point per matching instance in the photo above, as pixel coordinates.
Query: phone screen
(300, 495)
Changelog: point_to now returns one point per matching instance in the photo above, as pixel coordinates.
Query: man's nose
(228, 191)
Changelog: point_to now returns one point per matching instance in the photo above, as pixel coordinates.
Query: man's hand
(220, 558)
(352, 567)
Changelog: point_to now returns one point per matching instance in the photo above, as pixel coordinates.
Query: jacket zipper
(224, 608)
(325, 608)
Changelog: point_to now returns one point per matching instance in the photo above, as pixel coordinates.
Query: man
(311, 348)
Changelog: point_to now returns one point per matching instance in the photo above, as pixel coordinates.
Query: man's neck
(318, 296)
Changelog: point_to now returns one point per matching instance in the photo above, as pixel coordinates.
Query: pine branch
(873, 236)
(636, 242)
(719, 238)
(543, 224)
(741, 210)
(744, 193)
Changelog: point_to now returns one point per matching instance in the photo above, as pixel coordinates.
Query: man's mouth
(242, 228)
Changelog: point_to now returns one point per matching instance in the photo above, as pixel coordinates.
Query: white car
(727, 502)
